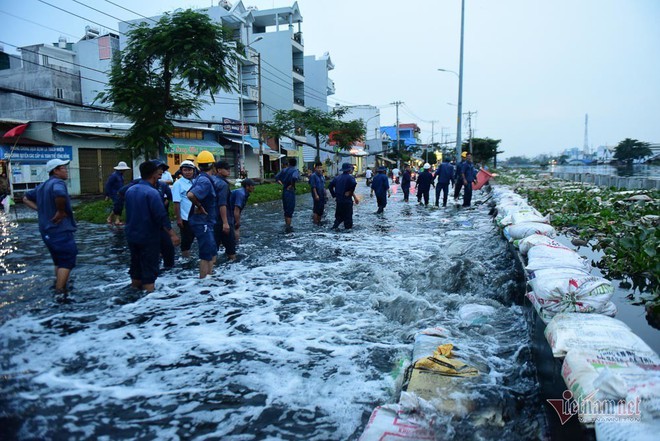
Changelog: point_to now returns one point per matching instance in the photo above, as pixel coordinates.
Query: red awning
(16, 131)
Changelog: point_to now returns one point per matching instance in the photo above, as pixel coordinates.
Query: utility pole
(261, 140)
(469, 116)
(460, 89)
(398, 145)
(432, 139)
(241, 161)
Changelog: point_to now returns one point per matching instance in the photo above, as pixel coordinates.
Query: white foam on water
(297, 340)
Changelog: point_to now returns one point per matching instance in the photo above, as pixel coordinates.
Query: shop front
(181, 149)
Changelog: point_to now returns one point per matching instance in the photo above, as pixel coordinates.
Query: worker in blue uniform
(445, 175)
(146, 218)
(165, 193)
(237, 203)
(224, 229)
(287, 178)
(381, 187)
(342, 188)
(424, 182)
(458, 177)
(405, 182)
(56, 224)
(112, 185)
(317, 184)
(203, 213)
(468, 175)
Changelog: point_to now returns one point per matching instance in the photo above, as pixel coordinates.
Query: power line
(97, 10)
(38, 24)
(76, 15)
(132, 12)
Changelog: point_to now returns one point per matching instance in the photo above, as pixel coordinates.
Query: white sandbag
(548, 308)
(529, 216)
(520, 231)
(573, 294)
(568, 331)
(555, 273)
(393, 423)
(547, 256)
(427, 341)
(515, 214)
(524, 245)
(474, 314)
(612, 375)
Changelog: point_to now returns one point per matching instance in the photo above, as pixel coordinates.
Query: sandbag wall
(611, 373)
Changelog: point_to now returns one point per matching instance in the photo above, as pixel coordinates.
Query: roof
(410, 126)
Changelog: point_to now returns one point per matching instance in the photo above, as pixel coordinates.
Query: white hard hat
(427, 166)
(187, 163)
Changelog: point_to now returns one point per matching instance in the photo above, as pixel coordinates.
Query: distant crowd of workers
(207, 210)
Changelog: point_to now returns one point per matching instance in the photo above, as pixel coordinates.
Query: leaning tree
(165, 71)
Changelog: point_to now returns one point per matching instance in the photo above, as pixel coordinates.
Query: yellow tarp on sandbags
(440, 378)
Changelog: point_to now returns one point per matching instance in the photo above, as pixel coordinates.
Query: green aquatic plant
(621, 224)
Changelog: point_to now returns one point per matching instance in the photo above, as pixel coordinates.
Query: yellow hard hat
(464, 154)
(205, 157)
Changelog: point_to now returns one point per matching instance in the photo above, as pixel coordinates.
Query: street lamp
(460, 87)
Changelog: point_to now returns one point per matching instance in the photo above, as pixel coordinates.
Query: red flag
(16, 131)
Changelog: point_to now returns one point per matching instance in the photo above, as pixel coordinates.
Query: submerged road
(298, 340)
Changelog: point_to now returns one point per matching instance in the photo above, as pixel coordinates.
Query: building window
(59, 93)
(44, 60)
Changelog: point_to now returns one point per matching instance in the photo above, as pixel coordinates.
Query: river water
(298, 340)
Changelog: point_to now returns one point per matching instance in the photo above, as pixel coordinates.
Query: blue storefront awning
(184, 146)
(238, 139)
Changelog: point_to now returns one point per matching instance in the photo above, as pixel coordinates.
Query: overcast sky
(532, 69)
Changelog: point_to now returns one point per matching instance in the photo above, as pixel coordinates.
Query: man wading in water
(56, 223)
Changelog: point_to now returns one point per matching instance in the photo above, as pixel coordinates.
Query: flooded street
(298, 340)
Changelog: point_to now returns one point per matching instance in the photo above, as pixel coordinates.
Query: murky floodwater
(298, 340)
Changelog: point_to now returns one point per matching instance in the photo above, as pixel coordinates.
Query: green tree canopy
(163, 73)
(483, 149)
(630, 149)
(323, 126)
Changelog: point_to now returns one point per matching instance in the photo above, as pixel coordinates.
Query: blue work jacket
(317, 181)
(44, 196)
(380, 184)
(445, 173)
(146, 216)
(340, 185)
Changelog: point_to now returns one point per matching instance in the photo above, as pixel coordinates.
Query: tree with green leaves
(484, 149)
(518, 160)
(630, 149)
(163, 73)
(322, 126)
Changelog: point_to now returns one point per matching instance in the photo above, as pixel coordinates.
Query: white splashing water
(299, 339)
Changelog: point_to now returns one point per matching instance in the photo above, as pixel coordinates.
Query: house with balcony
(408, 133)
